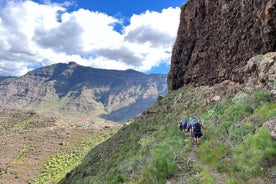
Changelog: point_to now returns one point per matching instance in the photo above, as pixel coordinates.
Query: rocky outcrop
(216, 39)
(271, 126)
(261, 71)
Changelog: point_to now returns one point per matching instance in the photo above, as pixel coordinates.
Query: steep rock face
(216, 38)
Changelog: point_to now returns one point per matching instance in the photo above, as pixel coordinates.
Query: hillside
(52, 116)
(223, 69)
(36, 146)
(237, 146)
(74, 91)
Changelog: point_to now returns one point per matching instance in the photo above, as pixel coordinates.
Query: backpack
(190, 124)
(185, 124)
(181, 126)
(197, 127)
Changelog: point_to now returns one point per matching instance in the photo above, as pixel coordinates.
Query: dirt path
(218, 177)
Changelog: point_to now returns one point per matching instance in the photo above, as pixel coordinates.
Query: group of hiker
(194, 127)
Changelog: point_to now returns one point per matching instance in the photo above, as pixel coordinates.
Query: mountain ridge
(72, 87)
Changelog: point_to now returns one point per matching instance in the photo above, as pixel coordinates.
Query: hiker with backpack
(183, 125)
(197, 131)
(191, 125)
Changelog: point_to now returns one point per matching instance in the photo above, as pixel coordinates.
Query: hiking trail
(218, 177)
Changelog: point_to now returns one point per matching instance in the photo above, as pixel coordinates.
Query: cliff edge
(215, 40)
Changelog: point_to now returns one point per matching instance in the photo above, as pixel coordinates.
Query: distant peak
(130, 70)
(72, 63)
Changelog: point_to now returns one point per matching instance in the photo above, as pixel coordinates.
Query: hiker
(183, 125)
(191, 125)
(197, 133)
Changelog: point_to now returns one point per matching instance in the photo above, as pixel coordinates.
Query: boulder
(271, 126)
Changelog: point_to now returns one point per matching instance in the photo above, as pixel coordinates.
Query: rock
(215, 40)
(216, 98)
(261, 71)
(271, 125)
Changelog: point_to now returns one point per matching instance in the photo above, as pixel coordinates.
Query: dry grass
(28, 140)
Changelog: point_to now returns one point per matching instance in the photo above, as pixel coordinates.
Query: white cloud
(33, 34)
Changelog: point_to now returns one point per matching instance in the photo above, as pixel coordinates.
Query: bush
(162, 165)
(260, 97)
(214, 152)
(267, 111)
(249, 155)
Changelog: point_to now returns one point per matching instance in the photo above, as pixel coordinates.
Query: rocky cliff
(216, 39)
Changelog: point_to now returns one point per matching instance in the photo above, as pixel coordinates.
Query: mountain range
(74, 90)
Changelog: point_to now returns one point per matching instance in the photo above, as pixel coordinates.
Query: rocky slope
(71, 89)
(261, 71)
(216, 38)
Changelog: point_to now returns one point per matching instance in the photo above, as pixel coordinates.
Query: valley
(41, 149)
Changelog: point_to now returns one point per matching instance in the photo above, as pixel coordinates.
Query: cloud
(64, 38)
(33, 34)
(157, 29)
(147, 34)
(121, 54)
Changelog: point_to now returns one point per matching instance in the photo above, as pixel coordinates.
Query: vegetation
(236, 143)
(41, 152)
(19, 121)
(151, 149)
(57, 165)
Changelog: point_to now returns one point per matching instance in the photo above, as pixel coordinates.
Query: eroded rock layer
(216, 39)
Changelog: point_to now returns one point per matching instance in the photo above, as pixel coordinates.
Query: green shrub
(159, 169)
(237, 111)
(161, 166)
(267, 111)
(237, 133)
(260, 97)
(232, 181)
(249, 155)
(213, 153)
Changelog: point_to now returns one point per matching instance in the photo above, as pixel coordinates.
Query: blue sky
(106, 34)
